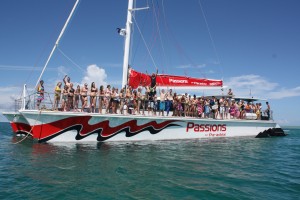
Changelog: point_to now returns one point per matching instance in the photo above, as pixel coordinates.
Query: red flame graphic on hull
(20, 128)
(45, 132)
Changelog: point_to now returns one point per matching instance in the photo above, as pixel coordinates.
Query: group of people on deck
(152, 102)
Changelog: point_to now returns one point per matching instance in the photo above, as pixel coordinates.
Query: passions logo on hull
(191, 126)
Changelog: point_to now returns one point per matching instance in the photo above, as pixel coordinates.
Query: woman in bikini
(139, 100)
(84, 99)
(76, 98)
(112, 100)
(122, 100)
(198, 107)
(135, 102)
(64, 102)
(116, 100)
(57, 94)
(101, 98)
(175, 104)
(93, 94)
(71, 92)
(128, 97)
(107, 94)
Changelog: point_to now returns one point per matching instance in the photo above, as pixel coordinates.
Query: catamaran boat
(47, 125)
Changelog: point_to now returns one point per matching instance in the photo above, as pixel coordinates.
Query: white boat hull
(50, 126)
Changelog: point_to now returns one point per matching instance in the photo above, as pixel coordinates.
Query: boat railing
(31, 102)
(48, 104)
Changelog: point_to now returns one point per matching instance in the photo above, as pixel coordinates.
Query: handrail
(48, 103)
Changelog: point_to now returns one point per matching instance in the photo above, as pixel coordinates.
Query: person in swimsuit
(107, 94)
(64, 103)
(112, 100)
(268, 110)
(71, 92)
(57, 94)
(67, 81)
(175, 104)
(40, 93)
(169, 101)
(230, 92)
(93, 94)
(122, 100)
(128, 97)
(101, 99)
(139, 100)
(116, 100)
(135, 102)
(76, 98)
(84, 98)
(200, 107)
(162, 103)
(242, 109)
(222, 107)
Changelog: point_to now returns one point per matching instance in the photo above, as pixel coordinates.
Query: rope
(157, 24)
(29, 133)
(167, 35)
(211, 38)
(70, 59)
(138, 41)
(159, 33)
(144, 41)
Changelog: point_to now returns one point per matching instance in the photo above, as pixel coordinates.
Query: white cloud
(259, 87)
(250, 85)
(95, 74)
(285, 93)
(252, 81)
(62, 71)
(7, 99)
(8, 94)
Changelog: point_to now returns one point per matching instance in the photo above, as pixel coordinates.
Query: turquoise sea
(220, 168)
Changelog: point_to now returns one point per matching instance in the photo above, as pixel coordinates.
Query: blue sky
(251, 45)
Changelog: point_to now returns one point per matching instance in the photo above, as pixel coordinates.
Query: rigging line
(70, 59)
(144, 41)
(178, 47)
(138, 42)
(46, 45)
(132, 35)
(211, 38)
(153, 38)
(159, 33)
(167, 36)
(158, 29)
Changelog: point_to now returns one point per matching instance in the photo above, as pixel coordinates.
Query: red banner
(137, 79)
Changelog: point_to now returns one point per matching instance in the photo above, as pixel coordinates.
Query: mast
(24, 98)
(57, 41)
(127, 43)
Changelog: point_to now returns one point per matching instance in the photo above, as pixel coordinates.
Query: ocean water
(219, 168)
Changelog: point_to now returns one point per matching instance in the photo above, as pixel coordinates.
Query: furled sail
(137, 79)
